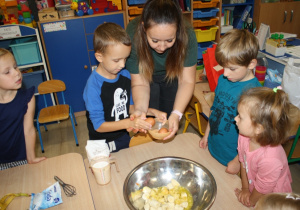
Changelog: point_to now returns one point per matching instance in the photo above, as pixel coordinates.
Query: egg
(163, 130)
(150, 120)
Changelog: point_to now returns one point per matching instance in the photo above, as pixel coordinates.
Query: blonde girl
(278, 201)
(17, 106)
(263, 123)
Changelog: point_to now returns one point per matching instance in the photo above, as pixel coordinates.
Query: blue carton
(26, 52)
(203, 13)
(135, 2)
(33, 79)
(202, 47)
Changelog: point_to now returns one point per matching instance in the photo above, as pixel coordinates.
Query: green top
(159, 59)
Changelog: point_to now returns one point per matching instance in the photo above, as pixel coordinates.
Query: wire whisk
(69, 190)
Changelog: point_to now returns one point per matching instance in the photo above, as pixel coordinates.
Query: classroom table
(34, 178)
(185, 145)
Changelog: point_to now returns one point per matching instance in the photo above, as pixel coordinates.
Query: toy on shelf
(117, 3)
(276, 45)
(4, 10)
(7, 18)
(279, 40)
(25, 16)
(102, 6)
(81, 8)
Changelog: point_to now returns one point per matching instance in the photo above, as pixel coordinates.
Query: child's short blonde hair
(4, 52)
(278, 201)
(238, 47)
(109, 34)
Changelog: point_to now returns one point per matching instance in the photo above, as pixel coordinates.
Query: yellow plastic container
(200, 4)
(206, 35)
(203, 23)
(132, 17)
(135, 10)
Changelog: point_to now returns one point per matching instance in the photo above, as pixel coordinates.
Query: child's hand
(243, 196)
(36, 160)
(131, 128)
(203, 142)
(136, 114)
(139, 124)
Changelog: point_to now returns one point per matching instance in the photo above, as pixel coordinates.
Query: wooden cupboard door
(68, 58)
(272, 14)
(279, 17)
(292, 24)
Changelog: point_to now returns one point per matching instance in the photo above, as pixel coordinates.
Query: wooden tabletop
(34, 178)
(184, 145)
(199, 90)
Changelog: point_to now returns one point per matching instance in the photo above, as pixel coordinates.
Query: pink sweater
(267, 167)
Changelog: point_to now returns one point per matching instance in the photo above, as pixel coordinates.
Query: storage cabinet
(70, 54)
(200, 14)
(280, 16)
(134, 8)
(204, 14)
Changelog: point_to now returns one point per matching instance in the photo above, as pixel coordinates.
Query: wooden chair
(294, 152)
(54, 113)
(193, 116)
(292, 146)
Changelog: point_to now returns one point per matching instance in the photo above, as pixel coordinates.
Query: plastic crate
(22, 40)
(135, 2)
(206, 35)
(135, 10)
(33, 79)
(205, 22)
(202, 47)
(203, 13)
(201, 4)
(132, 17)
(26, 53)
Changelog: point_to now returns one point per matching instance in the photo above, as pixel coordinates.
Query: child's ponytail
(280, 113)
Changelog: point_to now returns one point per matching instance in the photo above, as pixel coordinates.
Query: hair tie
(292, 197)
(277, 88)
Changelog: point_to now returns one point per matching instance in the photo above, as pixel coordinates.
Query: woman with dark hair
(163, 60)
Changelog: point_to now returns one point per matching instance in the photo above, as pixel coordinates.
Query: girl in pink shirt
(263, 122)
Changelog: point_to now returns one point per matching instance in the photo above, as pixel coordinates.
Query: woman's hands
(173, 125)
(139, 124)
(139, 118)
(161, 116)
(137, 114)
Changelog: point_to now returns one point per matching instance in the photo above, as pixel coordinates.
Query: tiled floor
(60, 140)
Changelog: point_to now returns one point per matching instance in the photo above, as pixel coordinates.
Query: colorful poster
(10, 32)
(56, 26)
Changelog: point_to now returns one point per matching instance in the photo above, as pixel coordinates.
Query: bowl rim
(174, 157)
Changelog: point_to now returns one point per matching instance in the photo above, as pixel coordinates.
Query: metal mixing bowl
(158, 172)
